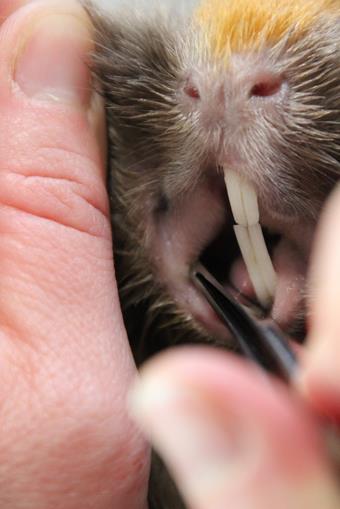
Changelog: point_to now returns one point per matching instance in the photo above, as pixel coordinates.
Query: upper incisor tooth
(234, 189)
(250, 203)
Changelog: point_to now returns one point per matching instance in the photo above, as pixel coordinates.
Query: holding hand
(66, 440)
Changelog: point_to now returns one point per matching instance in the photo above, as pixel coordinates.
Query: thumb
(65, 360)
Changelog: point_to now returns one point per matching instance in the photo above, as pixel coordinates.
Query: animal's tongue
(291, 286)
(239, 278)
(290, 268)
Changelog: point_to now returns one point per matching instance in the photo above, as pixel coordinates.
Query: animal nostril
(266, 87)
(192, 91)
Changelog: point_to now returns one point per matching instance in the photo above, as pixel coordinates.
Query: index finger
(319, 379)
(235, 439)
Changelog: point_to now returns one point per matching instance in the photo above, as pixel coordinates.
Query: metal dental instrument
(259, 338)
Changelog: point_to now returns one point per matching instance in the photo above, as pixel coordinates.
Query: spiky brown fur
(138, 67)
(158, 153)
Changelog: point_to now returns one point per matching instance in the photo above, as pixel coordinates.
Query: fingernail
(52, 64)
(318, 381)
(203, 453)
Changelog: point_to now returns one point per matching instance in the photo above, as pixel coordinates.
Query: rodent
(249, 85)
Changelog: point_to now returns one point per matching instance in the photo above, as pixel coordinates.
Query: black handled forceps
(258, 337)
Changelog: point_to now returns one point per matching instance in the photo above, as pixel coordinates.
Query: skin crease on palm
(66, 439)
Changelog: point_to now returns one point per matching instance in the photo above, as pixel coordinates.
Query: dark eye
(162, 205)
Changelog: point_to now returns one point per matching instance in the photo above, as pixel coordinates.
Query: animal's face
(243, 86)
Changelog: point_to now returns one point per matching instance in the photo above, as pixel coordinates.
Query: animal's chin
(199, 226)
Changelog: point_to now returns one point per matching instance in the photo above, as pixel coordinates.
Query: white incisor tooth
(249, 235)
(242, 198)
(263, 259)
(234, 190)
(248, 254)
(250, 203)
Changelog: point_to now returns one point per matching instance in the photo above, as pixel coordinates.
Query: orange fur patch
(241, 25)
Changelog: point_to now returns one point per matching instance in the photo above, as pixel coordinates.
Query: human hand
(65, 438)
(232, 437)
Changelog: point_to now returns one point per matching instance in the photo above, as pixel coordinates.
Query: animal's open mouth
(275, 249)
